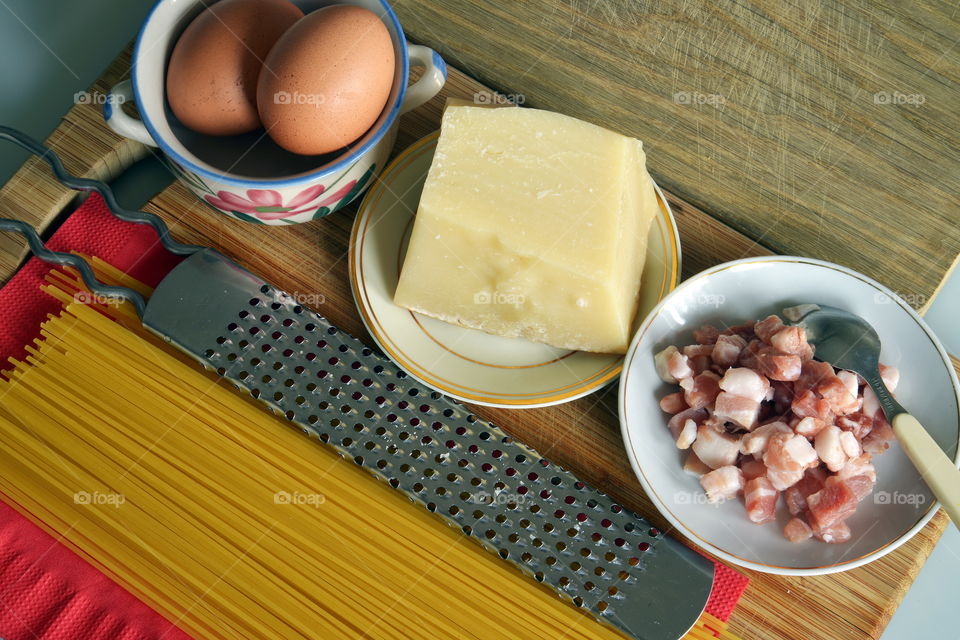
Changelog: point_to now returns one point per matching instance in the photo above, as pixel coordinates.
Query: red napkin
(47, 592)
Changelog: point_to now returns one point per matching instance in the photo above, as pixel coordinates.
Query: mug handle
(433, 78)
(120, 122)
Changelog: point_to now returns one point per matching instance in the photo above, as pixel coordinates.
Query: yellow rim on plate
(383, 194)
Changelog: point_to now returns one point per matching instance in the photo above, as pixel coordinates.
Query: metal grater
(532, 513)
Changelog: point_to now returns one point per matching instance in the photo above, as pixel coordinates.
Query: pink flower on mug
(267, 204)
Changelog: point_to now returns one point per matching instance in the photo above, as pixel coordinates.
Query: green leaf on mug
(246, 218)
(322, 212)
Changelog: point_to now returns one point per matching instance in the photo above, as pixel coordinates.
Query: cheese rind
(531, 224)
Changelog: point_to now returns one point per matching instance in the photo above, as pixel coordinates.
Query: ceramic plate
(751, 289)
(465, 363)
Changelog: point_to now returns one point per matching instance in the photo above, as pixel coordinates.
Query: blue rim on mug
(338, 165)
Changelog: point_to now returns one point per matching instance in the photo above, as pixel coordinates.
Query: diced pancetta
(723, 483)
(727, 350)
(703, 390)
(761, 500)
(716, 449)
(737, 409)
(758, 415)
(707, 334)
(797, 531)
(741, 381)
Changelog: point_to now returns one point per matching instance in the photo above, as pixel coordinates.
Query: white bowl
(735, 292)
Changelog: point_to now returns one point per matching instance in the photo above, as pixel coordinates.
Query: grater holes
(531, 508)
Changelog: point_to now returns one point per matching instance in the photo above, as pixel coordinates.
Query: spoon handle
(937, 470)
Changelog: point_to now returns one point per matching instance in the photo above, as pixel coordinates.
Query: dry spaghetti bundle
(223, 518)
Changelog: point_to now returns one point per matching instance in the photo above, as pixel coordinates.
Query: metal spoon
(847, 341)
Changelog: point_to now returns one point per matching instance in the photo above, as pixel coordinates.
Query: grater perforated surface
(516, 503)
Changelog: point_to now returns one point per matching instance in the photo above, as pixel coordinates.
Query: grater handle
(68, 259)
(86, 184)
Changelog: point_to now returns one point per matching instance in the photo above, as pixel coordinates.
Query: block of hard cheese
(531, 224)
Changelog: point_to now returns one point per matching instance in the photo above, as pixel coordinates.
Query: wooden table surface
(812, 126)
(795, 159)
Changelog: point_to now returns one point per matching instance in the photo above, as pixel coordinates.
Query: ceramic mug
(249, 177)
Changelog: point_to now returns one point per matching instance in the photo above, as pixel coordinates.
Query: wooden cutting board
(582, 435)
(825, 128)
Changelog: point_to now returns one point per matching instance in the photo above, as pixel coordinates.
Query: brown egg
(213, 70)
(330, 77)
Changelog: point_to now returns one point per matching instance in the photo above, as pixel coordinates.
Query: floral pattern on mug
(267, 204)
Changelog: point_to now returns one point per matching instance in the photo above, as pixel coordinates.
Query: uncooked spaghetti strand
(472, 570)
